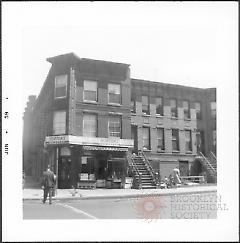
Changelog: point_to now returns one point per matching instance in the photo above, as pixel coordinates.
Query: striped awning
(99, 148)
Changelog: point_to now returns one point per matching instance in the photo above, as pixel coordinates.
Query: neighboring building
(90, 116)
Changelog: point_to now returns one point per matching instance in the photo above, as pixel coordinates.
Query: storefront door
(64, 168)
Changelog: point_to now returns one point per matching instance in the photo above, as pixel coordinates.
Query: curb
(124, 196)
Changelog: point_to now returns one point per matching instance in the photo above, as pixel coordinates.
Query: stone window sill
(90, 101)
(114, 104)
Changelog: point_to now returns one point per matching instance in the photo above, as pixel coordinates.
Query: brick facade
(37, 156)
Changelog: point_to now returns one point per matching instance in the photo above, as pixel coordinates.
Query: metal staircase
(143, 174)
(210, 164)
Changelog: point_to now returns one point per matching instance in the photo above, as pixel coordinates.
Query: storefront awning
(98, 148)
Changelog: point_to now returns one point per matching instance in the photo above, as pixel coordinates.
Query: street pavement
(185, 202)
(175, 206)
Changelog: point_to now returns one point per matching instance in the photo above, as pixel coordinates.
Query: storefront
(83, 162)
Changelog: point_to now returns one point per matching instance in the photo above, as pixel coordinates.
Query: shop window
(60, 86)
(173, 105)
(159, 106)
(186, 109)
(89, 125)
(198, 108)
(114, 127)
(145, 105)
(114, 93)
(213, 109)
(90, 90)
(146, 138)
(87, 167)
(188, 141)
(59, 122)
(175, 140)
(160, 139)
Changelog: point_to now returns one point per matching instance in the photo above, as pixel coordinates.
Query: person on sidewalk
(48, 184)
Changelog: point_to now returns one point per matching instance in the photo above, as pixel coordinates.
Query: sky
(170, 42)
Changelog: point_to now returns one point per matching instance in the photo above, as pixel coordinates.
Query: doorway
(64, 168)
(184, 168)
(134, 137)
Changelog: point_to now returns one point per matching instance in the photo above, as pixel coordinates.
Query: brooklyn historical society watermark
(179, 206)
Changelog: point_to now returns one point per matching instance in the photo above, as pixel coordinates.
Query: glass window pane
(59, 122)
(146, 138)
(114, 126)
(61, 86)
(160, 138)
(114, 94)
(175, 140)
(90, 85)
(89, 125)
(114, 88)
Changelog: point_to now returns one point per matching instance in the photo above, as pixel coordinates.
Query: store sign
(57, 139)
(78, 140)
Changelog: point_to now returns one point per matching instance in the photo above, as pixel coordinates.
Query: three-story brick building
(90, 115)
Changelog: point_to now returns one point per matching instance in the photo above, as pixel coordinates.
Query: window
(173, 104)
(133, 106)
(198, 110)
(114, 127)
(59, 122)
(213, 109)
(160, 138)
(89, 125)
(90, 90)
(175, 140)
(188, 141)
(114, 93)
(60, 86)
(146, 138)
(145, 105)
(159, 106)
(214, 137)
(186, 109)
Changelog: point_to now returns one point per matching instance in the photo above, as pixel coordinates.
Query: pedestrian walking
(48, 184)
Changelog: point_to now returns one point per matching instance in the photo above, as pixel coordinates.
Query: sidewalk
(79, 194)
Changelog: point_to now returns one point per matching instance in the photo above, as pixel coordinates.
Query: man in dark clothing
(48, 184)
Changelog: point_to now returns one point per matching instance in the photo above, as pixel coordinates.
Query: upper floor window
(59, 122)
(214, 134)
(114, 127)
(198, 110)
(90, 90)
(160, 138)
(145, 104)
(188, 141)
(89, 125)
(175, 140)
(146, 137)
(114, 93)
(173, 105)
(133, 106)
(159, 106)
(186, 109)
(213, 109)
(60, 86)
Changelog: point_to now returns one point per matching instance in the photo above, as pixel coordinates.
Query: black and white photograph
(120, 121)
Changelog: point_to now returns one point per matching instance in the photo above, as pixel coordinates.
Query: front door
(134, 137)
(64, 168)
(184, 168)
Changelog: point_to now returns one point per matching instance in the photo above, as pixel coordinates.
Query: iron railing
(149, 166)
(208, 163)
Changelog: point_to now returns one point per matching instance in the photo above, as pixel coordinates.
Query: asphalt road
(184, 206)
